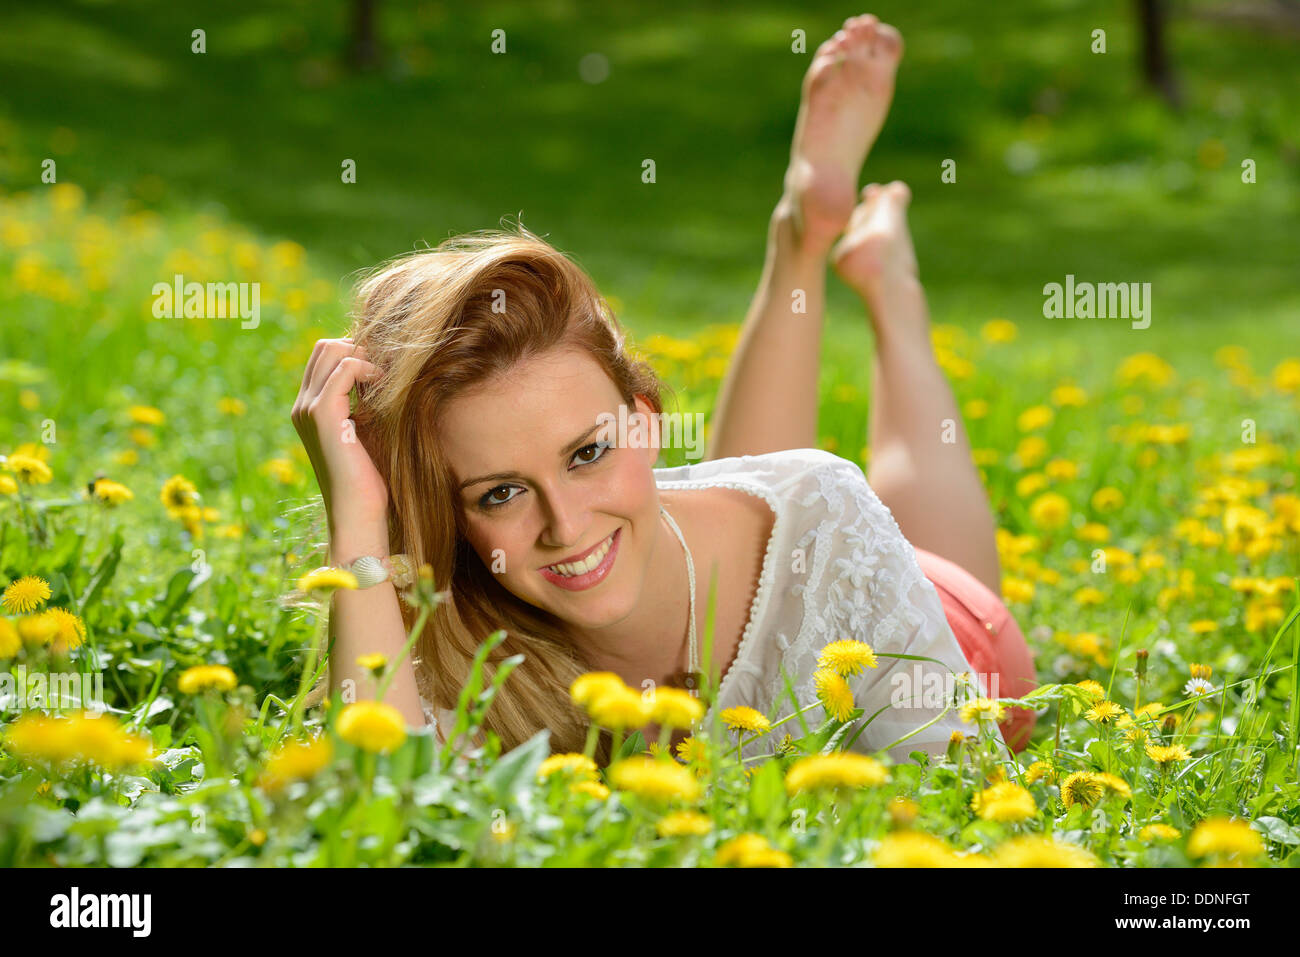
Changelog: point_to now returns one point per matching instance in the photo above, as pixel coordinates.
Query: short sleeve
(876, 592)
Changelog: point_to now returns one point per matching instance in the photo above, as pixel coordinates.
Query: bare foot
(875, 256)
(846, 95)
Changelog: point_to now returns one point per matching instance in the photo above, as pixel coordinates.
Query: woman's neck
(651, 642)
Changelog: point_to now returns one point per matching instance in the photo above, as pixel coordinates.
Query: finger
(318, 350)
(349, 371)
(334, 351)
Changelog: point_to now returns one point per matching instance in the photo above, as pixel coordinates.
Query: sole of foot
(845, 97)
(875, 256)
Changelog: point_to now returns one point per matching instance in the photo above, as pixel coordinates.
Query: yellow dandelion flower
(1034, 418)
(296, 761)
(654, 779)
(1286, 376)
(1005, 801)
(69, 630)
(95, 739)
(325, 579)
(692, 750)
(109, 492)
(25, 594)
(38, 629)
(1159, 832)
(146, 415)
(912, 849)
(1040, 771)
(372, 726)
(374, 662)
(847, 657)
(1039, 851)
(1088, 596)
(998, 331)
(1081, 787)
(587, 687)
(619, 708)
(1104, 712)
(1107, 499)
(1094, 532)
(10, 642)
(1017, 589)
(675, 708)
(29, 469)
(578, 766)
(683, 824)
(1115, 784)
(829, 771)
(834, 692)
(202, 677)
(178, 494)
(1050, 510)
(903, 810)
(1093, 688)
(1225, 837)
(1061, 469)
(1203, 626)
(1167, 754)
(590, 788)
(1030, 484)
(982, 710)
(742, 849)
(7, 485)
(231, 406)
(1069, 395)
(744, 718)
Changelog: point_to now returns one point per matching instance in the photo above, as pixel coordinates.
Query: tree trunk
(1156, 69)
(363, 50)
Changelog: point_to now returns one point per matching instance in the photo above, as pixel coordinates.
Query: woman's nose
(565, 522)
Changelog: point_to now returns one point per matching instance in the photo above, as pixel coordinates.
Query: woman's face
(542, 479)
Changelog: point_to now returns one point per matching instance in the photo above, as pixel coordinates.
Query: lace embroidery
(758, 605)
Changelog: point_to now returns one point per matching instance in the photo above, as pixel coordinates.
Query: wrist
(352, 542)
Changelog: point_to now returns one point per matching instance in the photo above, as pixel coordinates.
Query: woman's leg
(768, 399)
(920, 456)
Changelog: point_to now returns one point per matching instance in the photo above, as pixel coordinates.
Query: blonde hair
(427, 321)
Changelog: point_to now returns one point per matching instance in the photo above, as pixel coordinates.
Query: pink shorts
(989, 637)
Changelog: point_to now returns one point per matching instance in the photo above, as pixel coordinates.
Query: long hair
(433, 323)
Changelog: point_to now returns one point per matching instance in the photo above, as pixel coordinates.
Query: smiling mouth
(592, 560)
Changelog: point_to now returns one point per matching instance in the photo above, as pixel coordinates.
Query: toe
(889, 40)
(900, 191)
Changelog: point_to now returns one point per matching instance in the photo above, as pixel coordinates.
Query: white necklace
(694, 664)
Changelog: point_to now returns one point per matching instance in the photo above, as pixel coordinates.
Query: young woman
(485, 369)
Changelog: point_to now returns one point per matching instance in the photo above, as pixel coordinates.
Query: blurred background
(226, 165)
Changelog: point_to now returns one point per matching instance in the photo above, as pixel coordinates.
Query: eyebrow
(565, 453)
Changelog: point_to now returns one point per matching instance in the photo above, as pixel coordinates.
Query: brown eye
(490, 500)
(599, 447)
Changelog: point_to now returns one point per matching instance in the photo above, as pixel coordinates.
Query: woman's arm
(366, 621)
(356, 503)
(768, 400)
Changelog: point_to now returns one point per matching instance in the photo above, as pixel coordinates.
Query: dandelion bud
(1141, 669)
(1201, 671)
(1170, 722)
(954, 745)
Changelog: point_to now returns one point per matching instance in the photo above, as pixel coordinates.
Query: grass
(225, 166)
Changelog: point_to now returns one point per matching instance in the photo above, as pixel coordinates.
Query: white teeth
(570, 569)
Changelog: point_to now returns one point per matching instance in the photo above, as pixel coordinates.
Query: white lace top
(836, 566)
